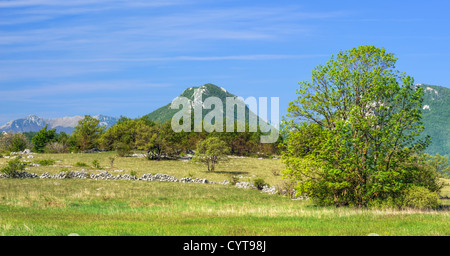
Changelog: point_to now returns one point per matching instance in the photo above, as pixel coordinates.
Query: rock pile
(138, 155)
(26, 151)
(196, 180)
(244, 185)
(269, 190)
(19, 175)
(66, 175)
(105, 175)
(158, 177)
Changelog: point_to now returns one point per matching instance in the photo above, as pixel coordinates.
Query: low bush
(259, 183)
(19, 143)
(56, 147)
(96, 164)
(420, 198)
(287, 188)
(13, 168)
(111, 161)
(80, 164)
(45, 162)
(234, 179)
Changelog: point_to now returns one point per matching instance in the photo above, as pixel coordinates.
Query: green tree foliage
(420, 198)
(211, 151)
(29, 136)
(158, 140)
(259, 183)
(42, 138)
(353, 128)
(122, 136)
(63, 138)
(18, 143)
(87, 133)
(439, 164)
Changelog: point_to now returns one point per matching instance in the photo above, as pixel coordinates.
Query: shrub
(287, 188)
(420, 198)
(111, 161)
(133, 173)
(80, 164)
(45, 162)
(56, 147)
(13, 168)
(234, 179)
(386, 203)
(259, 183)
(96, 164)
(19, 143)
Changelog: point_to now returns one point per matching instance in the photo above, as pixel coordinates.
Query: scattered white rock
(244, 185)
(269, 190)
(105, 175)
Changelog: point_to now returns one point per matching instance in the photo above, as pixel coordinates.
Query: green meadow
(52, 207)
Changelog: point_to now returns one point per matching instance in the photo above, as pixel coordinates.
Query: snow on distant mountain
(33, 123)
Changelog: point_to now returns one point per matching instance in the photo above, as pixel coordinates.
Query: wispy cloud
(58, 3)
(64, 52)
(253, 57)
(120, 36)
(41, 92)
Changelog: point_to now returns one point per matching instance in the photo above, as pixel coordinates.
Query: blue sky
(113, 57)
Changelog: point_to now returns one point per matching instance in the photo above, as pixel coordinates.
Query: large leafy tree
(158, 140)
(42, 138)
(125, 132)
(87, 133)
(211, 151)
(353, 128)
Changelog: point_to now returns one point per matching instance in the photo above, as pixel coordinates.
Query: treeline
(128, 135)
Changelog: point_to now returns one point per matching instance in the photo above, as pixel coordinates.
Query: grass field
(245, 168)
(90, 207)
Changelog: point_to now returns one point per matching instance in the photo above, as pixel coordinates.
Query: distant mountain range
(33, 123)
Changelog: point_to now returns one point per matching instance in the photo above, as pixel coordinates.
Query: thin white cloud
(39, 92)
(112, 41)
(59, 3)
(254, 57)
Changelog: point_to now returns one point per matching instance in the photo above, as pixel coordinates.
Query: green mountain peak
(165, 113)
